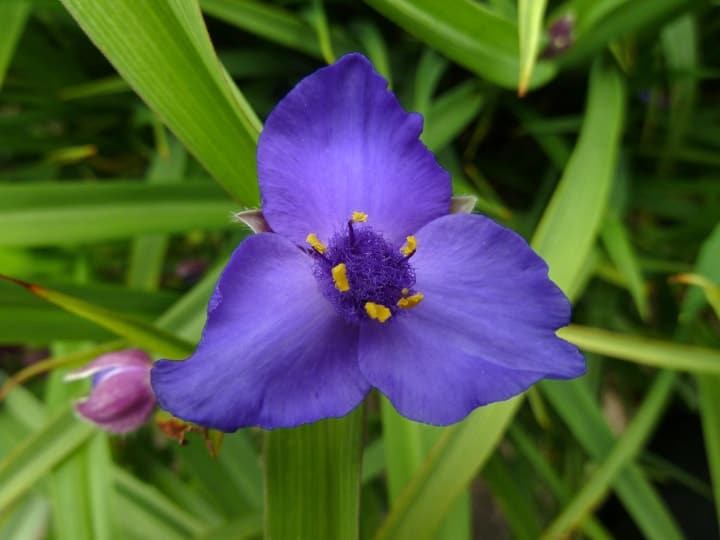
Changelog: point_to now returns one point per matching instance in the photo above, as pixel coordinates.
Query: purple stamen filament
(363, 275)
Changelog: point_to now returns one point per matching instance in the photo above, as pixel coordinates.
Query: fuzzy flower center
(362, 274)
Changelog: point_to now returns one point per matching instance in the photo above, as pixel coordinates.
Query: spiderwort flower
(365, 280)
(121, 399)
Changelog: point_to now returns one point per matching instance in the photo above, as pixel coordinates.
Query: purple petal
(121, 401)
(340, 142)
(273, 353)
(484, 331)
(112, 360)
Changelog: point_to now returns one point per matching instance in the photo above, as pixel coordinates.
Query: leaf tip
(33, 288)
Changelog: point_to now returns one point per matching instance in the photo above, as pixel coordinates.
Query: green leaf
(450, 113)
(573, 401)
(647, 351)
(44, 214)
(80, 489)
(708, 266)
(680, 45)
(29, 521)
(530, 23)
(624, 451)
(318, 19)
(581, 198)
(402, 442)
(58, 438)
(450, 466)
(147, 253)
(267, 21)
(186, 317)
(584, 189)
(528, 448)
(245, 528)
(514, 499)
(137, 332)
(148, 513)
(375, 47)
(621, 19)
(468, 33)
(312, 478)
(616, 238)
(709, 401)
(13, 14)
(24, 317)
(170, 50)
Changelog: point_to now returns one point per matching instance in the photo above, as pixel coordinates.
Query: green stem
(312, 480)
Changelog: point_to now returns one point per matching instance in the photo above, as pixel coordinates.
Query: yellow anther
(377, 311)
(339, 275)
(359, 217)
(315, 242)
(405, 291)
(410, 301)
(410, 246)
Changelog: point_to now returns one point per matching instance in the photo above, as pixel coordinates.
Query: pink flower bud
(121, 399)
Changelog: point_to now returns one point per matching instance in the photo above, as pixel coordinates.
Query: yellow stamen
(315, 242)
(410, 301)
(405, 291)
(339, 275)
(377, 311)
(410, 246)
(359, 217)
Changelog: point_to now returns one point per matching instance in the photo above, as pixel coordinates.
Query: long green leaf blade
(137, 332)
(169, 51)
(312, 479)
(624, 451)
(583, 191)
(448, 469)
(530, 20)
(44, 214)
(468, 33)
(647, 351)
(13, 14)
(39, 453)
(708, 265)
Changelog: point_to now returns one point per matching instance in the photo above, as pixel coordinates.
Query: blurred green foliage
(125, 145)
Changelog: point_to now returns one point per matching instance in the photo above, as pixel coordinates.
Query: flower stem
(312, 479)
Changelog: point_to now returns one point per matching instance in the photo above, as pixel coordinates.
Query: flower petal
(273, 353)
(340, 142)
(120, 402)
(484, 331)
(112, 360)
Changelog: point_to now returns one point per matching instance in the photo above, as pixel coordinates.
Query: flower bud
(121, 399)
(560, 37)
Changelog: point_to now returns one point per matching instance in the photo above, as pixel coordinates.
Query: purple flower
(121, 399)
(365, 281)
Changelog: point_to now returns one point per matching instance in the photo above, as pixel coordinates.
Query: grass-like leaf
(59, 213)
(530, 23)
(312, 479)
(61, 435)
(137, 332)
(624, 451)
(13, 14)
(651, 352)
(171, 64)
(467, 32)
